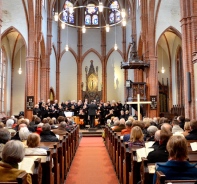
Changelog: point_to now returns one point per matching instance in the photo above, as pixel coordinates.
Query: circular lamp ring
(88, 27)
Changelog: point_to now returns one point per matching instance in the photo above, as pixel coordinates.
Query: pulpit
(136, 88)
(137, 93)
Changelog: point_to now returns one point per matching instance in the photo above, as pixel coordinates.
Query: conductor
(92, 113)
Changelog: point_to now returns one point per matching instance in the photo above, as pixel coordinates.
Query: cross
(138, 104)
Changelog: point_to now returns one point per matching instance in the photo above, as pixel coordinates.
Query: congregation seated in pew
(177, 167)
(160, 154)
(186, 128)
(127, 130)
(62, 129)
(5, 136)
(47, 135)
(13, 153)
(9, 124)
(126, 137)
(136, 137)
(33, 148)
(151, 133)
(193, 133)
(121, 125)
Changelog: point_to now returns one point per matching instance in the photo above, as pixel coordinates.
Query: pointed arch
(72, 52)
(13, 29)
(110, 52)
(91, 50)
(172, 30)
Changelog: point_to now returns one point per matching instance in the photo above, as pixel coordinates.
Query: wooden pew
(33, 167)
(161, 179)
(54, 151)
(145, 172)
(131, 168)
(120, 161)
(115, 144)
(46, 165)
(117, 154)
(126, 163)
(37, 173)
(124, 160)
(21, 179)
(61, 160)
(107, 137)
(65, 153)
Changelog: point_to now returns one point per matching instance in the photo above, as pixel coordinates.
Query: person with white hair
(13, 153)
(9, 124)
(161, 149)
(109, 122)
(24, 133)
(151, 133)
(121, 126)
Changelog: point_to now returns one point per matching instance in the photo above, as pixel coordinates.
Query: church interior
(88, 57)
(160, 35)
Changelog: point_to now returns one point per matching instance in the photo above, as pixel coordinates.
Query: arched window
(68, 14)
(91, 15)
(114, 13)
(2, 81)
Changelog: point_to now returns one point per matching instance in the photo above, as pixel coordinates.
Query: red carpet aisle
(91, 164)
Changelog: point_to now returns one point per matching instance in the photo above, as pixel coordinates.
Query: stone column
(31, 58)
(189, 35)
(152, 75)
(79, 64)
(104, 65)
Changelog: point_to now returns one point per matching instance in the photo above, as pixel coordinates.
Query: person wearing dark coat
(193, 133)
(161, 149)
(177, 167)
(36, 110)
(47, 135)
(92, 113)
(181, 120)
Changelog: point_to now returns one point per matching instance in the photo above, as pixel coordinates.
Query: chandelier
(91, 16)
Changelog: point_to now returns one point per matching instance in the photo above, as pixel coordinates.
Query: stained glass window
(91, 15)
(114, 12)
(68, 13)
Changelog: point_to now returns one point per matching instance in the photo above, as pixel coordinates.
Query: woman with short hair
(177, 167)
(33, 142)
(13, 153)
